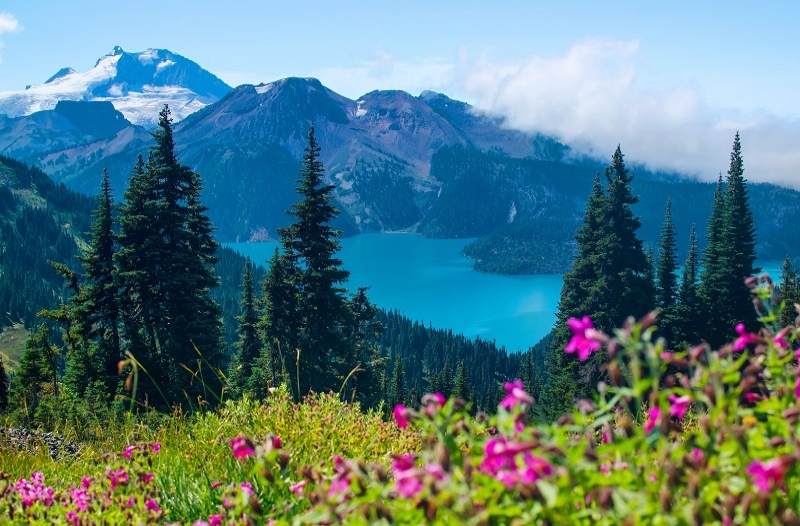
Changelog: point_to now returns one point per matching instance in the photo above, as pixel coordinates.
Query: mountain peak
(116, 51)
(63, 72)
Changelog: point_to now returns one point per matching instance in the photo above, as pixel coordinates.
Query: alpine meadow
(225, 301)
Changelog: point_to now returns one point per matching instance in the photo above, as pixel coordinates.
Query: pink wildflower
(152, 505)
(753, 397)
(766, 476)
(697, 453)
(215, 520)
(129, 502)
(156, 447)
(147, 477)
(501, 461)
(86, 482)
(276, 442)
(72, 518)
(516, 395)
(680, 404)
(581, 341)
(400, 416)
(407, 477)
(247, 488)
(129, 449)
(81, 498)
(797, 389)
(780, 338)
(242, 447)
(745, 338)
(117, 477)
(654, 414)
(297, 489)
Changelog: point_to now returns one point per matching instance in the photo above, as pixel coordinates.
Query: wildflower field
(693, 436)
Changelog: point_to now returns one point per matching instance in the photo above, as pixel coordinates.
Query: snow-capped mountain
(137, 84)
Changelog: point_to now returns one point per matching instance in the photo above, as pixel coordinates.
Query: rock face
(33, 441)
(138, 85)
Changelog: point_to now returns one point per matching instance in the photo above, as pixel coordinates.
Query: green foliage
(730, 255)
(790, 293)
(171, 322)
(35, 370)
(688, 314)
(4, 387)
(249, 346)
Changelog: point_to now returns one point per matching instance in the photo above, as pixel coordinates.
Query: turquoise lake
(429, 280)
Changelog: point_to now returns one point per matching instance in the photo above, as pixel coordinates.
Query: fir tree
(686, 325)
(322, 308)
(739, 241)
(3, 387)
(461, 385)
(790, 293)
(364, 361)
(279, 319)
(712, 291)
(36, 368)
(248, 348)
(96, 306)
(624, 252)
(397, 385)
(667, 275)
(165, 260)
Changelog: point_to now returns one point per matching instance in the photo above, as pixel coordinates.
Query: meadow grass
(195, 455)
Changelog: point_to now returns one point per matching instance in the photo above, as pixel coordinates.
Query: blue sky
(670, 81)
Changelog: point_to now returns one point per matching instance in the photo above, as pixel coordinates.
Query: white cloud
(8, 24)
(590, 97)
(386, 72)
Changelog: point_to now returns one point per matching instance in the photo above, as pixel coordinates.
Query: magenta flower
(129, 502)
(129, 449)
(147, 477)
(400, 416)
(745, 338)
(117, 477)
(697, 453)
(215, 520)
(156, 447)
(797, 389)
(81, 498)
(780, 338)
(152, 505)
(247, 488)
(582, 341)
(654, 414)
(753, 397)
(407, 477)
(766, 476)
(680, 404)
(72, 518)
(242, 447)
(516, 395)
(276, 442)
(86, 482)
(297, 489)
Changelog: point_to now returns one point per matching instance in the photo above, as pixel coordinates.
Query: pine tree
(96, 307)
(583, 292)
(397, 387)
(790, 293)
(608, 281)
(248, 348)
(667, 275)
(36, 368)
(712, 291)
(165, 260)
(322, 307)
(649, 276)
(3, 387)
(280, 324)
(624, 252)
(363, 358)
(739, 240)
(686, 325)
(461, 385)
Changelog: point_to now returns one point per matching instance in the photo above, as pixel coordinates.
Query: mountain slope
(138, 84)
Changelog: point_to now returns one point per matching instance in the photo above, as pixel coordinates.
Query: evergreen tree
(650, 270)
(461, 385)
(96, 307)
(36, 368)
(790, 293)
(739, 240)
(712, 290)
(397, 386)
(3, 387)
(165, 273)
(608, 281)
(322, 307)
(686, 325)
(249, 346)
(628, 264)
(363, 358)
(583, 292)
(667, 275)
(279, 319)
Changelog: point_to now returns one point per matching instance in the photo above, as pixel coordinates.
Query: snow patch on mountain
(137, 84)
(263, 88)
